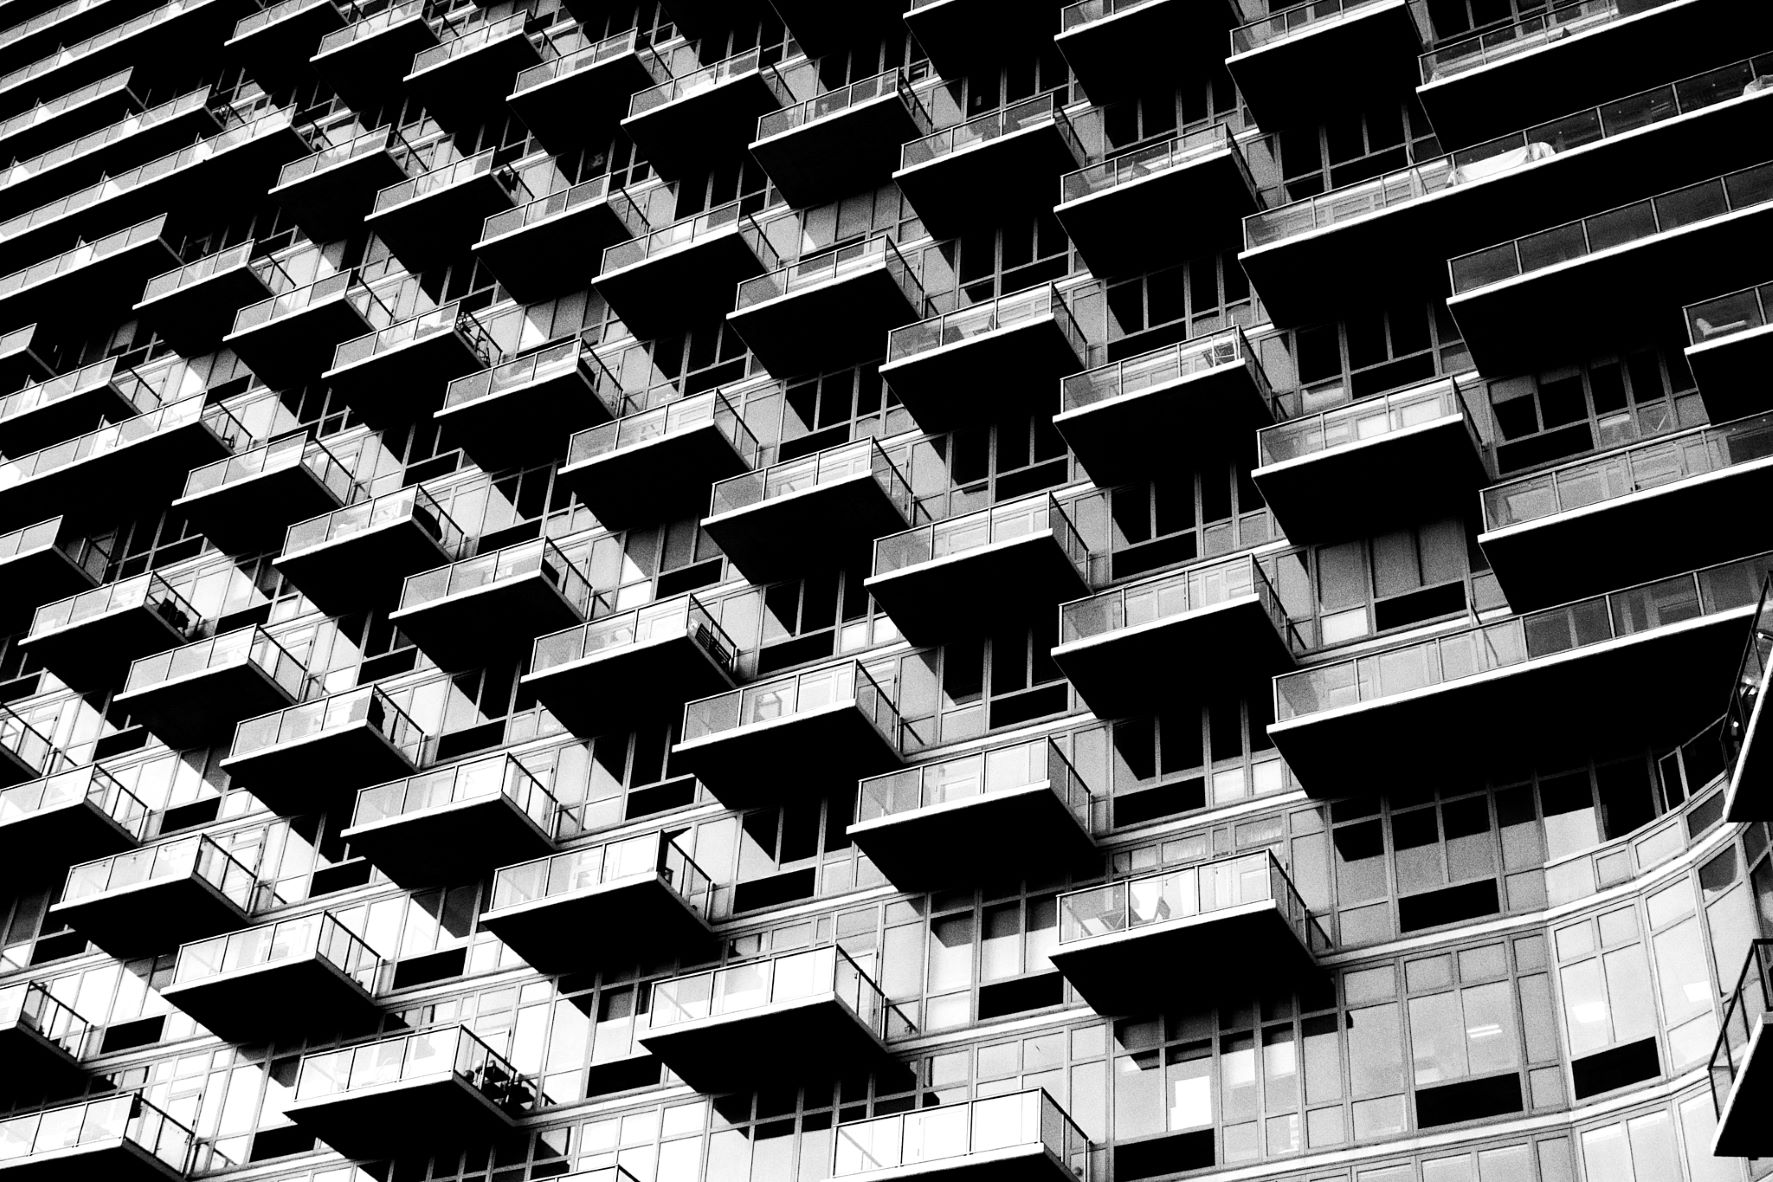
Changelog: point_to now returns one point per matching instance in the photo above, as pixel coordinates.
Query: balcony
(1741, 1085)
(276, 42)
(804, 1016)
(1121, 213)
(836, 723)
(42, 1041)
(640, 900)
(70, 816)
(398, 373)
(194, 306)
(291, 338)
(1023, 1135)
(1115, 47)
(961, 36)
(654, 465)
(1240, 915)
(1008, 158)
(580, 90)
(357, 555)
(440, 1088)
(1615, 510)
(526, 409)
(329, 192)
(827, 309)
(150, 43)
(89, 639)
(454, 824)
(1008, 811)
(193, 696)
(1131, 419)
(1290, 63)
(42, 563)
(550, 246)
(1732, 346)
(668, 277)
(780, 520)
(466, 77)
(1614, 669)
(469, 613)
(973, 363)
(24, 752)
(968, 574)
(1583, 279)
(1125, 648)
(1570, 56)
(299, 759)
(54, 25)
(302, 977)
(1336, 475)
(366, 61)
(632, 665)
(694, 115)
(120, 1138)
(841, 142)
(430, 218)
(146, 901)
(245, 503)
(91, 282)
(71, 404)
(60, 120)
(21, 362)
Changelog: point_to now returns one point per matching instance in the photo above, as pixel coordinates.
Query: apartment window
(1190, 755)
(1351, 590)
(1137, 528)
(1327, 365)
(1353, 147)
(975, 467)
(1191, 299)
(968, 688)
(1574, 410)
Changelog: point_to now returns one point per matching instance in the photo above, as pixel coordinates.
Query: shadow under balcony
(151, 900)
(1117, 47)
(668, 277)
(820, 27)
(41, 1042)
(961, 36)
(618, 669)
(1338, 474)
(398, 373)
(248, 501)
(194, 306)
(71, 816)
(828, 309)
(466, 77)
(1009, 811)
(432, 217)
(43, 563)
(1741, 1067)
(329, 192)
(291, 338)
(120, 1138)
(704, 112)
(638, 900)
(90, 638)
(1014, 561)
(659, 463)
(550, 246)
(90, 282)
(1732, 350)
(195, 695)
(472, 612)
(359, 555)
(840, 142)
(1130, 419)
(366, 61)
(1018, 1137)
(1129, 646)
(1008, 158)
(305, 757)
(527, 409)
(277, 41)
(1292, 63)
(455, 823)
(1240, 915)
(579, 90)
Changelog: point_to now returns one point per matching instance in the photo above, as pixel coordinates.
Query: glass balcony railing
(1149, 161)
(97, 141)
(796, 693)
(45, 111)
(329, 153)
(97, 1123)
(570, 56)
(978, 320)
(69, 54)
(682, 615)
(1162, 367)
(28, 745)
(367, 27)
(193, 273)
(168, 418)
(13, 34)
(147, 591)
(1524, 35)
(84, 380)
(1652, 464)
(342, 285)
(1178, 594)
(779, 980)
(433, 180)
(864, 457)
(975, 531)
(1751, 677)
(1279, 25)
(188, 857)
(674, 418)
(83, 552)
(538, 556)
(1733, 192)
(954, 1132)
(1197, 890)
(411, 503)
(461, 783)
(301, 938)
(448, 1051)
(1484, 648)
(291, 451)
(1041, 109)
(366, 704)
(722, 219)
(540, 365)
(1363, 421)
(833, 102)
(449, 318)
(1506, 153)
(1727, 315)
(80, 256)
(1085, 12)
(599, 865)
(468, 40)
(1746, 1005)
(701, 81)
(583, 195)
(832, 266)
(242, 646)
(91, 783)
(271, 14)
(31, 1006)
(982, 773)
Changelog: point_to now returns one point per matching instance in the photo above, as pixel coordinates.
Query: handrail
(476, 37)
(761, 702)
(1751, 678)
(169, 417)
(451, 317)
(1187, 891)
(1176, 594)
(50, 108)
(251, 645)
(31, 1006)
(370, 25)
(434, 179)
(289, 451)
(80, 550)
(985, 527)
(832, 102)
(79, 256)
(857, 458)
(1284, 23)
(990, 126)
(329, 152)
(298, 938)
(28, 744)
(1367, 419)
(989, 316)
(68, 385)
(93, 141)
(366, 704)
(1085, 11)
(681, 615)
(1727, 315)
(828, 266)
(778, 980)
(1162, 366)
(698, 227)
(90, 784)
(344, 285)
(410, 502)
(552, 205)
(538, 365)
(649, 854)
(252, 22)
(1137, 164)
(686, 414)
(962, 1129)
(1525, 34)
(487, 778)
(452, 1050)
(148, 590)
(705, 78)
(538, 556)
(978, 773)
(1747, 1005)
(125, 1117)
(207, 267)
(570, 61)
(198, 856)
(72, 53)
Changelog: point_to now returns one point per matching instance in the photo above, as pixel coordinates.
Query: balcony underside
(403, 1119)
(1239, 951)
(1635, 692)
(675, 137)
(825, 326)
(1292, 79)
(1124, 671)
(100, 111)
(309, 774)
(805, 1041)
(253, 513)
(821, 27)
(655, 480)
(1027, 831)
(1136, 435)
(153, 916)
(195, 318)
(35, 578)
(286, 1000)
(1742, 1129)
(82, 296)
(814, 528)
(424, 232)
(374, 68)
(64, 418)
(364, 568)
(278, 53)
(1731, 372)
(1662, 531)
(791, 758)
(553, 257)
(1170, 216)
(297, 347)
(637, 920)
(1751, 778)
(450, 844)
(470, 87)
(599, 694)
(1353, 491)
(525, 423)
(406, 382)
(1011, 172)
(1156, 45)
(962, 35)
(333, 200)
(91, 654)
(975, 590)
(1596, 301)
(158, 55)
(582, 107)
(36, 1068)
(201, 708)
(675, 287)
(114, 1161)
(469, 629)
(844, 153)
(137, 146)
(975, 378)
(56, 838)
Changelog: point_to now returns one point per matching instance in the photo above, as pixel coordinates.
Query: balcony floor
(308, 774)
(827, 325)
(366, 567)
(596, 694)
(655, 480)
(842, 154)
(288, 999)
(1013, 833)
(1135, 226)
(201, 708)
(974, 378)
(451, 843)
(812, 1039)
(1018, 578)
(749, 766)
(152, 917)
(630, 921)
(813, 528)
(251, 514)
(469, 629)
(403, 1118)
(1290, 80)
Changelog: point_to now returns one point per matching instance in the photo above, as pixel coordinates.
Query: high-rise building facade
(802, 590)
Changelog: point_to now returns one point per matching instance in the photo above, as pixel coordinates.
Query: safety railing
(341, 285)
(1163, 367)
(329, 153)
(731, 218)
(832, 266)
(193, 273)
(975, 531)
(44, 111)
(447, 1051)
(978, 320)
(469, 40)
(1149, 161)
(1171, 595)
(981, 773)
(1279, 25)
(993, 125)
(699, 81)
(82, 255)
(300, 938)
(169, 417)
(1366, 420)
(84, 380)
(1186, 892)
(83, 552)
(583, 195)
(291, 451)
(966, 1128)
(1727, 315)
(1085, 12)
(682, 615)
(412, 503)
(476, 779)
(539, 556)
(370, 25)
(105, 1121)
(796, 693)
(95, 141)
(29, 745)
(369, 705)
(1524, 35)
(833, 102)
(674, 418)
(271, 14)
(432, 180)
(187, 857)
(779, 980)
(540, 365)
(13, 34)
(99, 41)
(863, 457)
(1744, 1008)
(30, 1006)
(149, 591)
(91, 784)
(648, 855)
(450, 318)
(570, 58)
(242, 646)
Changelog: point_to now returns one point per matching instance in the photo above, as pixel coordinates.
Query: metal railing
(329, 153)
(1086, 11)
(31, 1006)
(572, 60)
(148, 591)
(370, 25)
(1727, 315)
(977, 320)
(169, 417)
(682, 615)
(706, 78)
(779, 980)
(583, 195)
(832, 102)
(112, 36)
(341, 285)
(1165, 366)
(82, 551)
(207, 267)
(539, 556)
(862, 457)
(446, 1051)
(1751, 679)
(187, 857)
(411, 503)
(796, 693)
(84, 380)
(97, 1123)
(90, 784)
(674, 418)
(94, 141)
(1278, 25)
(1188, 891)
(648, 855)
(301, 938)
(272, 13)
(291, 451)
(477, 37)
(1041, 109)
(981, 773)
(1744, 1008)
(1654, 463)
(539, 365)
(80, 256)
(13, 34)
(975, 531)
(366, 704)
(962, 1129)
(432, 180)
(28, 744)
(45, 111)
(830, 266)
(1177, 594)
(1151, 160)
(449, 318)
(476, 779)
(242, 646)
(1483, 648)
(722, 219)
(1526, 34)
(1368, 419)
